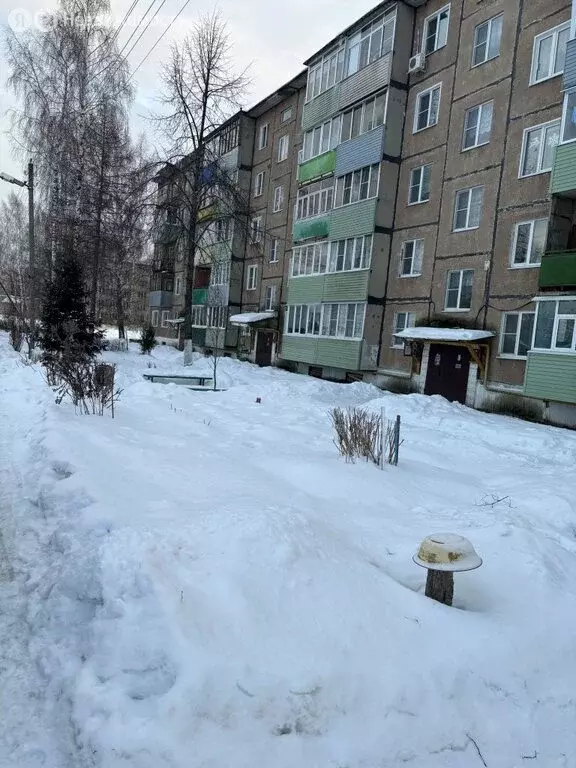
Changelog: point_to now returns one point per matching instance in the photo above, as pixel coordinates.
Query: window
(516, 334)
(199, 316)
(373, 41)
(358, 185)
(487, 37)
(222, 229)
(310, 259)
(529, 243)
(278, 203)
(178, 286)
(274, 245)
(263, 136)
(436, 30)
(556, 325)
(325, 73)
(217, 317)
(286, 115)
(411, 258)
(549, 53)
(270, 298)
(344, 321)
(228, 139)
(352, 253)
(154, 319)
(427, 107)
(478, 125)
(315, 199)
(251, 277)
(165, 316)
(259, 184)
(283, 146)
(402, 320)
(256, 229)
(364, 117)
(321, 139)
(419, 191)
(569, 116)
(459, 289)
(538, 147)
(220, 274)
(468, 208)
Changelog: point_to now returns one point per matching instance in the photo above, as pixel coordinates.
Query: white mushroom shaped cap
(447, 552)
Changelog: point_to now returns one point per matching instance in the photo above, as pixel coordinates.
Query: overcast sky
(273, 37)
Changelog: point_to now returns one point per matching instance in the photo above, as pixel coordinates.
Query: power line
(161, 36)
(146, 12)
(117, 30)
(146, 27)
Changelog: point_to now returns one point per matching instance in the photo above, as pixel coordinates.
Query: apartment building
(348, 166)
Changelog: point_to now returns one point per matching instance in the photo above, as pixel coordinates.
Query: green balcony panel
(306, 290)
(299, 349)
(563, 179)
(558, 270)
(346, 286)
(318, 166)
(198, 336)
(352, 220)
(318, 227)
(551, 377)
(199, 295)
(321, 108)
(339, 353)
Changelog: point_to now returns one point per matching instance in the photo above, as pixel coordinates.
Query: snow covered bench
(183, 379)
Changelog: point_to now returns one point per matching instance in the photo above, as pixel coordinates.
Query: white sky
(274, 37)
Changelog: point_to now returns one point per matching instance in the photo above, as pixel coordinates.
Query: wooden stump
(440, 586)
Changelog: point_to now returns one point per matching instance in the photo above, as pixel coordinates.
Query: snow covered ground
(203, 583)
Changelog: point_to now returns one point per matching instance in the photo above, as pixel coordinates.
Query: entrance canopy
(247, 318)
(453, 335)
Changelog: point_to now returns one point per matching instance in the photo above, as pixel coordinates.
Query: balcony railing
(558, 270)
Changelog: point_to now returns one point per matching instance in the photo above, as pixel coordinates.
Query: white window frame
(323, 315)
(286, 115)
(198, 316)
(373, 169)
(360, 251)
(480, 108)
(270, 292)
(251, 277)
(283, 148)
(363, 108)
(557, 317)
(178, 286)
(458, 308)
(256, 229)
(490, 23)
(278, 201)
(468, 191)
(520, 315)
(310, 259)
(528, 264)
(316, 198)
(427, 21)
(273, 254)
(567, 95)
(217, 316)
(263, 133)
(554, 33)
(416, 258)
(419, 96)
(324, 75)
(259, 184)
(164, 317)
(409, 319)
(420, 184)
(329, 133)
(356, 40)
(540, 127)
(154, 316)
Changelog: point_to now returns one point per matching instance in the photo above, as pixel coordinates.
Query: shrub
(147, 340)
(117, 345)
(357, 434)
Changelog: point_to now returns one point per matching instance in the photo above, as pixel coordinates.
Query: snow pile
(216, 587)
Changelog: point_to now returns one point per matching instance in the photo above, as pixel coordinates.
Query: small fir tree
(66, 329)
(147, 339)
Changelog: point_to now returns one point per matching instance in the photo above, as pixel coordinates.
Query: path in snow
(29, 737)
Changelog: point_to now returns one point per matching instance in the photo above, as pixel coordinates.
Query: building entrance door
(447, 374)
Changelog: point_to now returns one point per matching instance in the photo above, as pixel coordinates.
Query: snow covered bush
(147, 340)
(358, 434)
(117, 345)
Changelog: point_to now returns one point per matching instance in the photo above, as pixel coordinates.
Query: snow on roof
(443, 334)
(251, 317)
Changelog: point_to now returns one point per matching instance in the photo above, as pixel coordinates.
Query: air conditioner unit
(417, 63)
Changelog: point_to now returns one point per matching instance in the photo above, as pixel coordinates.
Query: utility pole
(29, 183)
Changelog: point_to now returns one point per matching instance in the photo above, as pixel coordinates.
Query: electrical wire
(146, 27)
(161, 36)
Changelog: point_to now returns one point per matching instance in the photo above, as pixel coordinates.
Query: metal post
(396, 440)
(32, 255)
(382, 441)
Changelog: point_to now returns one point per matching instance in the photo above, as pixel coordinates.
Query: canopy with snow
(247, 318)
(443, 334)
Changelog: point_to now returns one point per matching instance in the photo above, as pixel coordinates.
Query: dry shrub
(117, 345)
(358, 434)
(89, 385)
(16, 334)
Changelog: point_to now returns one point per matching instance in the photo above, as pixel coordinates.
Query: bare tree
(201, 92)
